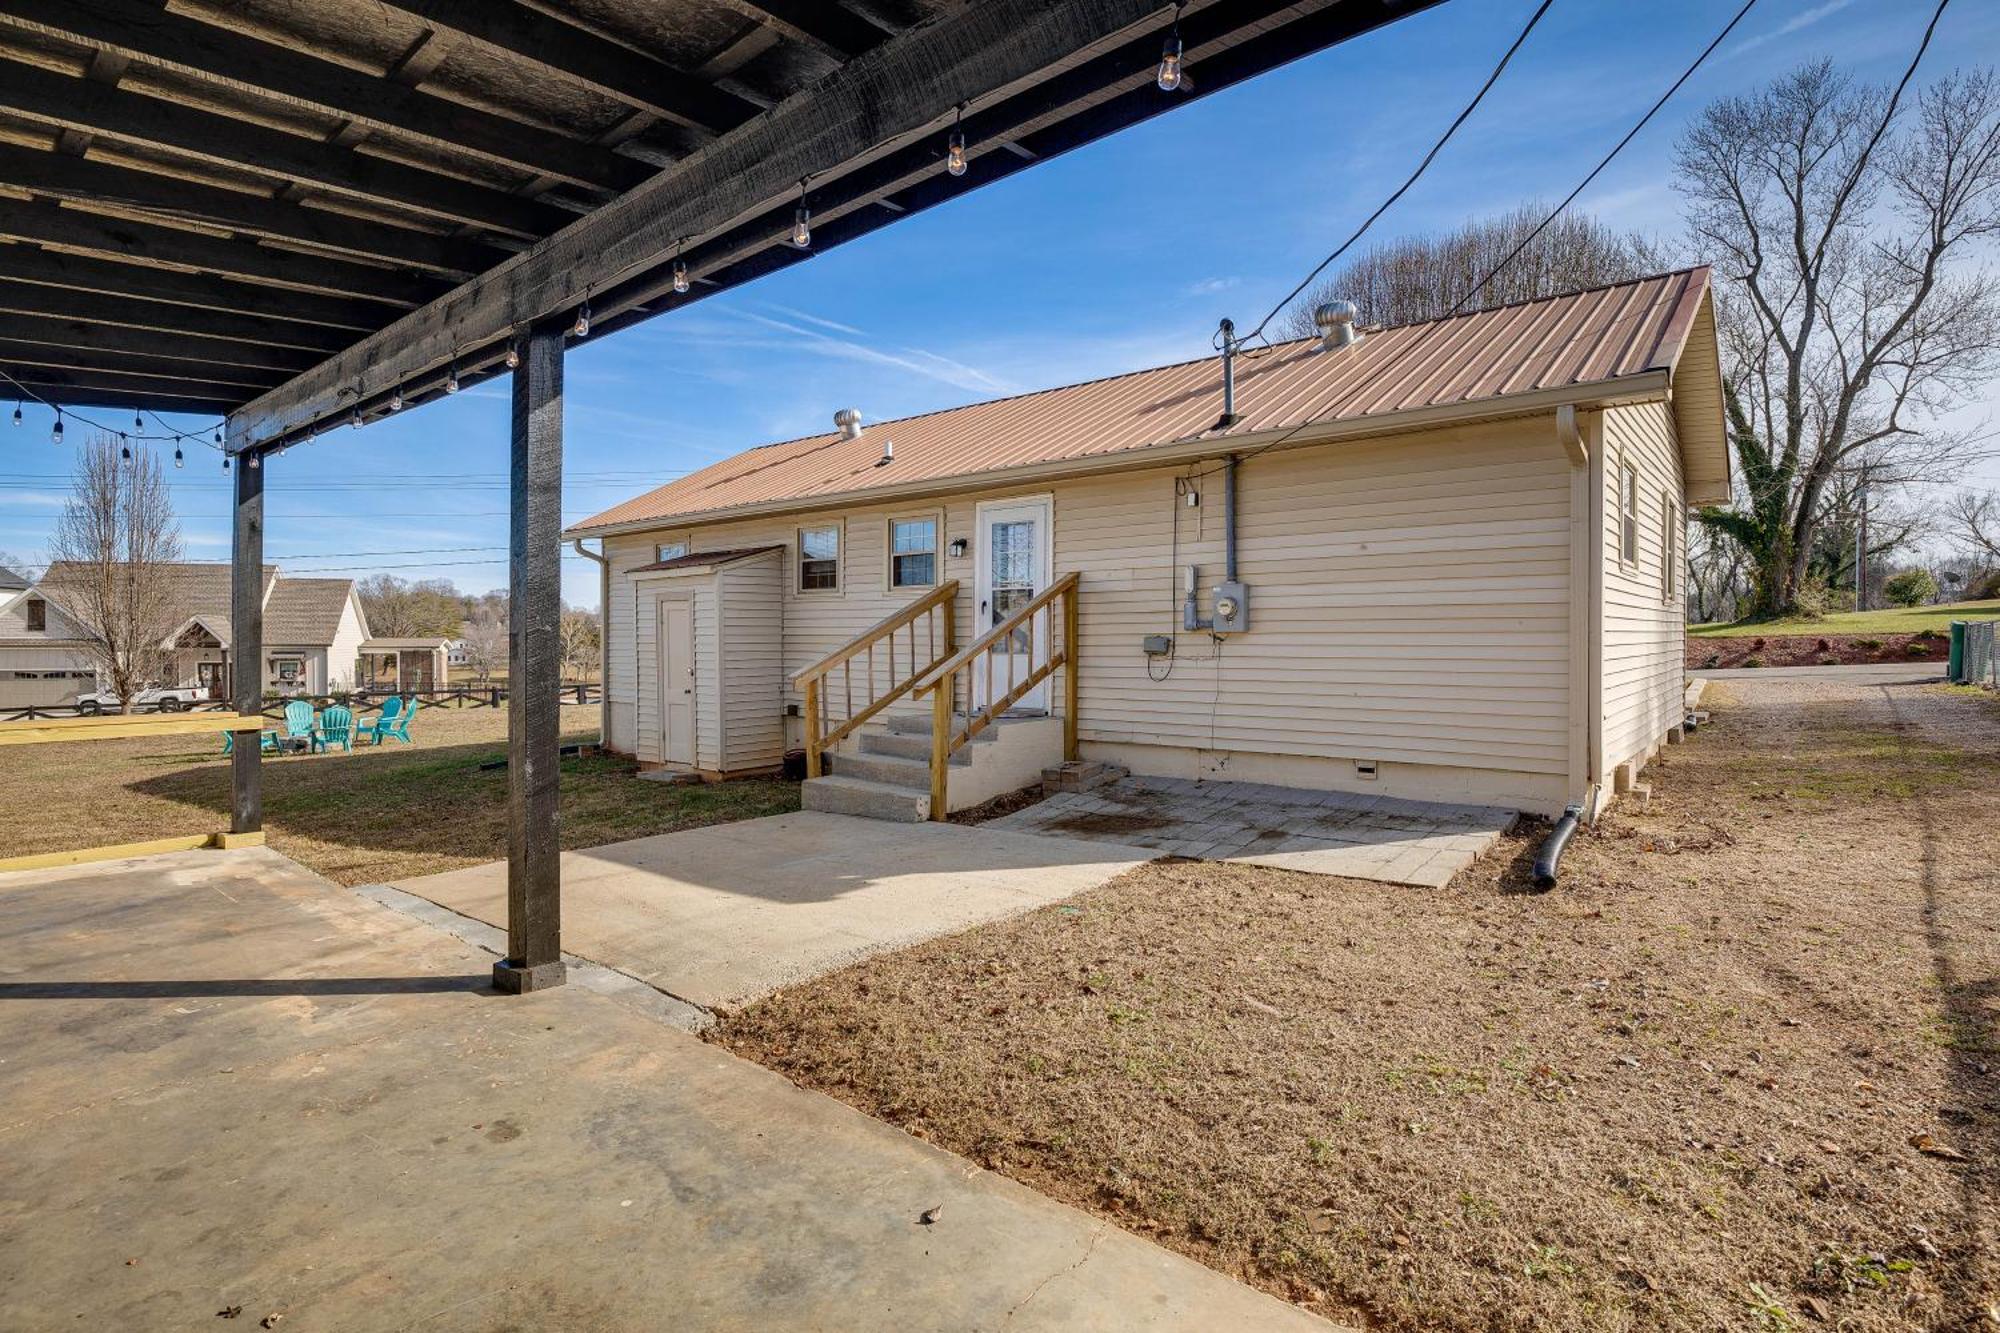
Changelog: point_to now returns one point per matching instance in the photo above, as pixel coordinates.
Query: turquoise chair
(336, 727)
(394, 724)
(267, 741)
(298, 724)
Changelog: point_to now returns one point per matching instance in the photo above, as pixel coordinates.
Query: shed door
(677, 680)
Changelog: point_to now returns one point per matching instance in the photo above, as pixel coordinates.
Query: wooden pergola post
(246, 633)
(534, 666)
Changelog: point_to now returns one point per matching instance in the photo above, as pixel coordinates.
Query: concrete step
(888, 769)
(912, 745)
(836, 795)
(913, 724)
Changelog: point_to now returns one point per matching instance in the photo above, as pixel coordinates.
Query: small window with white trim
(913, 551)
(1670, 549)
(1628, 506)
(670, 550)
(38, 616)
(819, 558)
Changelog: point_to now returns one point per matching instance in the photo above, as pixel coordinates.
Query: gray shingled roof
(299, 612)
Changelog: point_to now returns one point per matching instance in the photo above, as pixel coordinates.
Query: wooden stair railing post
(812, 726)
(940, 747)
(1069, 675)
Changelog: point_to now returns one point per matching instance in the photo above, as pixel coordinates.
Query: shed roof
(703, 559)
(1486, 362)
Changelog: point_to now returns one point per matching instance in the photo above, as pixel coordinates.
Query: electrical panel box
(1158, 645)
(1232, 608)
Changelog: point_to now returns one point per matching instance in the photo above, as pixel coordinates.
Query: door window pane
(1013, 546)
(819, 559)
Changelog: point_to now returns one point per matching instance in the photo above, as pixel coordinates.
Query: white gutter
(1647, 386)
(603, 638)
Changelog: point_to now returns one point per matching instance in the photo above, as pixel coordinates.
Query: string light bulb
(55, 436)
(354, 418)
(253, 462)
(513, 357)
(179, 461)
(124, 449)
(680, 287)
(451, 379)
(138, 424)
(582, 326)
(396, 399)
(802, 235)
(1170, 57)
(225, 462)
(17, 414)
(954, 157)
(218, 439)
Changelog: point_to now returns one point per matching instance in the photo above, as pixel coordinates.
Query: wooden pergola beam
(904, 88)
(80, 396)
(125, 241)
(596, 62)
(95, 108)
(209, 375)
(94, 183)
(830, 28)
(142, 29)
(56, 381)
(64, 303)
(197, 354)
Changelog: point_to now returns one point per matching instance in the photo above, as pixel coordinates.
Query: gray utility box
(1232, 608)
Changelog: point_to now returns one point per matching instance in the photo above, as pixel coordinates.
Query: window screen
(913, 553)
(819, 559)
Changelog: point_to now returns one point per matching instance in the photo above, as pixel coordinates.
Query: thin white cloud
(34, 499)
(912, 359)
(809, 318)
(1803, 19)
(1210, 286)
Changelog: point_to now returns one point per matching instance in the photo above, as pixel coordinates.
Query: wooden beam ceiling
(122, 311)
(340, 315)
(184, 347)
(593, 61)
(829, 28)
(142, 30)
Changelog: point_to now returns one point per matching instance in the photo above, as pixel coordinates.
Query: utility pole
(1861, 546)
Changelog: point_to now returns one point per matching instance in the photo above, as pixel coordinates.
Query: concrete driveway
(233, 1088)
(721, 915)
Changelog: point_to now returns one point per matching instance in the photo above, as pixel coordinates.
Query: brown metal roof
(1487, 356)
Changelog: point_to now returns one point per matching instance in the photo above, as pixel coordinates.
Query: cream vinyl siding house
(1439, 607)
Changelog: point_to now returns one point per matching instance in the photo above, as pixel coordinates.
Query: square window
(819, 559)
(913, 553)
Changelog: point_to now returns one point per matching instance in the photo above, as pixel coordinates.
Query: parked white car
(157, 698)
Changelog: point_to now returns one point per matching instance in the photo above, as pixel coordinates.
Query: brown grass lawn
(356, 818)
(1740, 1071)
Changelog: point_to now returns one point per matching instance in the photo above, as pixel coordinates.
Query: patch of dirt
(1741, 1071)
(1000, 805)
(1811, 650)
(1095, 825)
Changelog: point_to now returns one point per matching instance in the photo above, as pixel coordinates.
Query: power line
(1422, 166)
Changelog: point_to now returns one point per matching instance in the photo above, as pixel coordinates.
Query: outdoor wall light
(957, 548)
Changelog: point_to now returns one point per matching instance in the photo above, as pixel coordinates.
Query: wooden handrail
(998, 632)
(895, 620)
(948, 736)
(819, 737)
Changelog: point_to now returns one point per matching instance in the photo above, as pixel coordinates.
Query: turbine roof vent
(1336, 324)
(848, 421)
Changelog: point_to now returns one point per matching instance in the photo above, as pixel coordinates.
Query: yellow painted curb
(119, 850)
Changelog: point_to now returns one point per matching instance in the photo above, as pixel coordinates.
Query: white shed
(693, 614)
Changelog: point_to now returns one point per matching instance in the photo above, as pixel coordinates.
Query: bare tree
(485, 641)
(1427, 277)
(580, 637)
(1846, 226)
(110, 563)
(411, 609)
(1975, 519)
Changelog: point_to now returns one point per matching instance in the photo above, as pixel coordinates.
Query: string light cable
(1495, 271)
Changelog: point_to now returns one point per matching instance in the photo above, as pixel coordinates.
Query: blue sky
(1121, 255)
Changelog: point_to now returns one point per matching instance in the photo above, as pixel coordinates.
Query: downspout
(1586, 657)
(603, 639)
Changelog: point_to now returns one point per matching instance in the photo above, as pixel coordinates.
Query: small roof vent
(1335, 321)
(848, 420)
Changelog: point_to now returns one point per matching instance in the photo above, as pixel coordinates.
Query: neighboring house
(409, 665)
(1460, 545)
(455, 654)
(314, 632)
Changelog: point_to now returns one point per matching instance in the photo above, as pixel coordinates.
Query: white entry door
(1014, 542)
(677, 680)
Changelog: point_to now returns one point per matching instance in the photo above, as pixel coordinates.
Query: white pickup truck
(154, 698)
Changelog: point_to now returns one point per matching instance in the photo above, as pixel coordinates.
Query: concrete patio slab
(719, 916)
(1320, 832)
(233, 1086)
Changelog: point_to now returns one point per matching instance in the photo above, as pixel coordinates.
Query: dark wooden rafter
(83, 273)
(54, 380)
(99, 185)
(830, 28)
(596, 62)
(135, 117)
(147, 244)
(141, 29)
(210, 375)
(65, 303)
(84, 396)
(197, 352)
